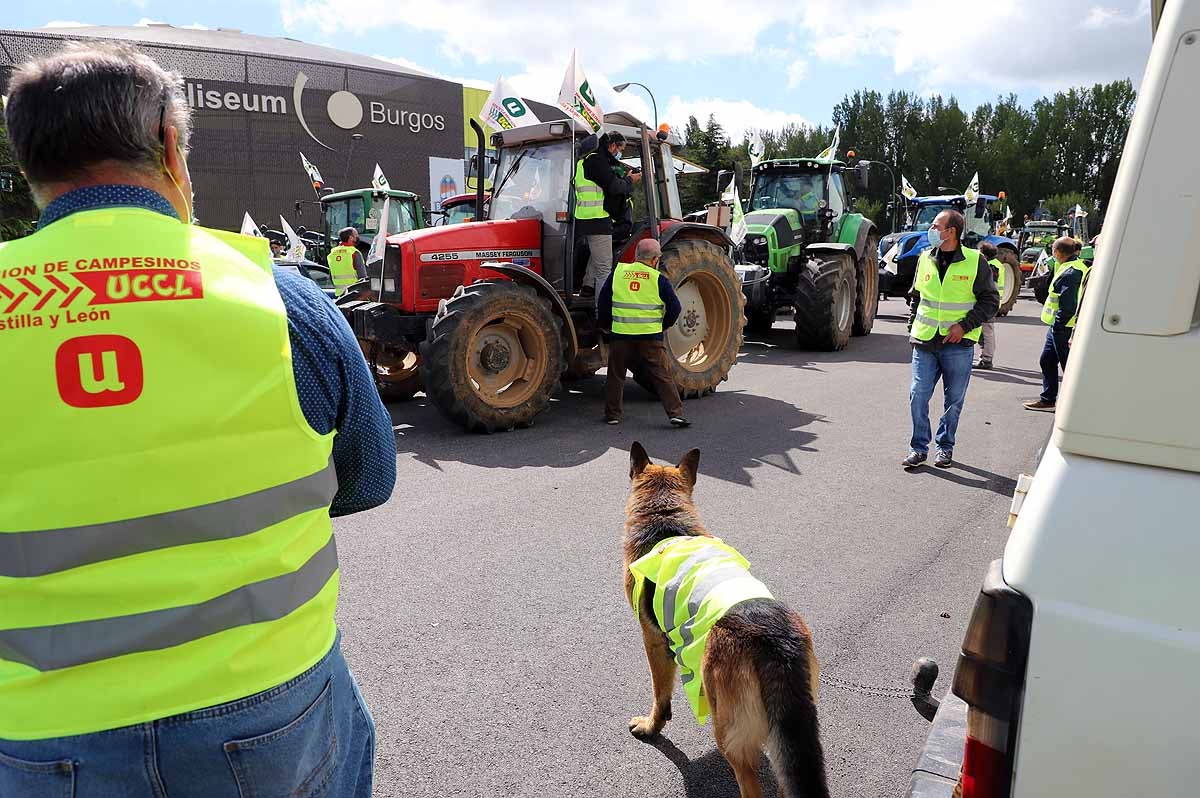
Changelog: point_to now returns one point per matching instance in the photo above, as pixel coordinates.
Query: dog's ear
(638, 459)
(689, 466)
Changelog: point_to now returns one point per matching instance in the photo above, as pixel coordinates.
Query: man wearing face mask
(953, 295)
(600, 196)
(191, 419)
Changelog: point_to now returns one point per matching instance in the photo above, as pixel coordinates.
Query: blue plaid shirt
(335, 388)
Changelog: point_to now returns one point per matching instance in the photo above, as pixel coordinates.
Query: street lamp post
(893, 195)
(622, 87)
(349, 156)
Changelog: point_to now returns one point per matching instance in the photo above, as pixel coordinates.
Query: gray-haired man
(167, 566)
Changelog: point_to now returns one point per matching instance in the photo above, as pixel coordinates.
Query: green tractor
(361, 208)
(806, 249)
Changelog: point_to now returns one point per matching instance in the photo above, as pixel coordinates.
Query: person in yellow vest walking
(1059, 312)
(191, 419)
(346, 263)
(636, 304)
(987, 331)
(599, 195)
(953, 295)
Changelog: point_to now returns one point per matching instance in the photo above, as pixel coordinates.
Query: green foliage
(1061, 204)
(876, 211)
(1067, 144)
(16, 207)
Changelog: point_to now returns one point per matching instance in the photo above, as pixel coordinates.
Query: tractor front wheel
(825, 298)
(494, 356)
(866, 300)
(1012, 280)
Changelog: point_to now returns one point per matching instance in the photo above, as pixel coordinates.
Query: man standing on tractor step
(346, 263)
(953, 294)
(598, 193)
(637, 303)
(1060, 312)
(168, 570)
(987, 335)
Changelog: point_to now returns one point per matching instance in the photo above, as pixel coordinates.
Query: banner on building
(447, 178)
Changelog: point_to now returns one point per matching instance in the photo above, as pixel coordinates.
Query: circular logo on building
(345, 110)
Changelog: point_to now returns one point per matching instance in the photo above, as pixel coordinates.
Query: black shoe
(983, 365)
(680, 421)
(587, 290)
(914, 459)
(943, 459)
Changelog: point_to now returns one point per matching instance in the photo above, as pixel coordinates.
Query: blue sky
(755, 65)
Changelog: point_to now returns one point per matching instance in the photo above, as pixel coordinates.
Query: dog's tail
(787, 676)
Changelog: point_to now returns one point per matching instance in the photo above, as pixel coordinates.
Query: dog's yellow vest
(698, 579)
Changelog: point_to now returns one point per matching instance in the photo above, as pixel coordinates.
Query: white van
(1080, 669)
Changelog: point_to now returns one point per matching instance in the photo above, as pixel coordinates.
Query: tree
(16, 206)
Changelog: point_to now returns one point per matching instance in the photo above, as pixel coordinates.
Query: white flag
(504, 109)
(296, 248)
(832, 150)
(756, 149)
(1008, 214)
(737, 226)
(972, 192)
(1079, 212)
(249, 228)
(577, 98)
(375, 253)
(314, 174)
(906, 188)
(379, 181)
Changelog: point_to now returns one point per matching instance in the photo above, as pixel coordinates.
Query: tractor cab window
(979, 225)
(926, 214)
(402, 215)
(350, 212)
(533, 182)
(802, 192)
(837, 195)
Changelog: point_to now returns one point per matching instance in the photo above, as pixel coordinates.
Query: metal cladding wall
(250, 113)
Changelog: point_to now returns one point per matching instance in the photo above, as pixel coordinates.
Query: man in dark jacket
(1059, 312)
(944, 345)
(597, 229)
(637, 303)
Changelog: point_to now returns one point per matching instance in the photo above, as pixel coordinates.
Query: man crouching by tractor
(636, 304)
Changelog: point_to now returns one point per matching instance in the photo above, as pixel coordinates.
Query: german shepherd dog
(759, 673)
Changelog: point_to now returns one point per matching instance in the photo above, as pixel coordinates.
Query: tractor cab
(362, 209)
(808, 195)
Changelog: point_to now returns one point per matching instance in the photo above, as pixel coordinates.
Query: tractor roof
(798, 164)
(374, 192)
(626, 124)
(949, 199)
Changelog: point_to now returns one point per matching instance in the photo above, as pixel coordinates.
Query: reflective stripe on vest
(165, 542)
(1050, 308)
(638, 308)
(341, 265)
(945, 303)
(1000, 268)
(589, 197)
(698, 579)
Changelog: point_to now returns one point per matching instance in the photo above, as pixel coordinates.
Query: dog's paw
(643, 727)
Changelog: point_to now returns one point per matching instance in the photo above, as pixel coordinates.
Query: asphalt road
(482, 609)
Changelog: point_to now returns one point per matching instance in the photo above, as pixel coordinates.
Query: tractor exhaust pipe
(480, 152)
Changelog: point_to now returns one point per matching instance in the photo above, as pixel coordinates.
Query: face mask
(935, 238)
(617, 155)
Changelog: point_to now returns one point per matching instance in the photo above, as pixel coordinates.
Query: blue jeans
(1054, 354)
(952, 364)
(311, 736)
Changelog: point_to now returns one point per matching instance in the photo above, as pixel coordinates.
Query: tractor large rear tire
(866, 293)
(494, 356)
(825, 296)
(1012, 280)
(397, 371)
(704, 342)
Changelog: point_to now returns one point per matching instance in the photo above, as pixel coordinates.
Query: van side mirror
(863, 173)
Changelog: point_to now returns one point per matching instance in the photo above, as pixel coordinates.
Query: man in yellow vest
(190, 420)
(987, 331)
(953, 295)
(346, 264)
(600, 195)
(1059, 313)
(636, 304)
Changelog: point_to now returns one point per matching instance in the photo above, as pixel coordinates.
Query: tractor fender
(704, 232)
(864, 227)
(830, 248)
(524, 276)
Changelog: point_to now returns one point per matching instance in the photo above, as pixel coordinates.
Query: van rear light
(990, 678)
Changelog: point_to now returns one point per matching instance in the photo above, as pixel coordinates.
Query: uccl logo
(346, 111)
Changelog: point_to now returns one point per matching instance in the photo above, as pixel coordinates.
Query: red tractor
(487, 317)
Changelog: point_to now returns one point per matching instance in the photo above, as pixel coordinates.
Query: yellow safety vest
(945, 303)
(998, 265)
(589, 197)
(697, 580)
(1050, 308)
(637, 305)
(165, 542)
(341, 265)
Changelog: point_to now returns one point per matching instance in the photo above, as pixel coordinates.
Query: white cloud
(797, 71)
(146, 22)
(195, 26)
(66, 23)
(738, 117)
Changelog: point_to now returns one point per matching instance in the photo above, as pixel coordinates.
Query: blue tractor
(898, 252)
